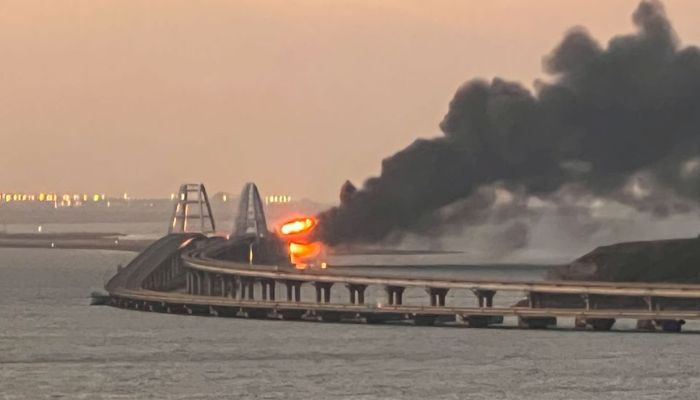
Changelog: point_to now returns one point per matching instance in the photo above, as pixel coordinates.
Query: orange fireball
(304, 250)
(298, 226)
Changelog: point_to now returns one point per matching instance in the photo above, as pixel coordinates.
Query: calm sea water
(54, 345)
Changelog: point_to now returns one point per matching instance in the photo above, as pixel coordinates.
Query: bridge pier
(357, 293)
(232, 284)
(208, 283)
(437, 296)
(267, 287)
(293, 290)
(485, 297)
(247, 288)
(323, 291)
(395, 295)
(223, 287)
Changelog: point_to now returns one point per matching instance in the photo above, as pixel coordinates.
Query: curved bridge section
(159, 265)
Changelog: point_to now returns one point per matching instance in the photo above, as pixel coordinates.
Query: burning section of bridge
(303, 251)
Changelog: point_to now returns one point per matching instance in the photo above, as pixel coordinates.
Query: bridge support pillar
(293, 290)
(247, 288)
(395, 295)
(198, 283)
(357, 293)
(268, 289)
(223, 287)
(485, 297)
(437, 296)
(233, 285)
(323, 291)
(209, 283)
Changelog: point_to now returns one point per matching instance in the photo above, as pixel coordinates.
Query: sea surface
(53, 345)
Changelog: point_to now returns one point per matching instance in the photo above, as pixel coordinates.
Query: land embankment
(673, 261)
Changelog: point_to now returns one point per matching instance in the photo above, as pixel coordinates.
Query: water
(54, 345)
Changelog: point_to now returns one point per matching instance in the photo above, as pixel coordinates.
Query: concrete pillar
(395, 294)
(485, 297)
(268, 289)
(318, 294)
(223, 287)
(357, 293)
(323, 291)
(251, 289)
(208, 279)
(234, 286)
(437, 296)
(271, 290)
(293, 290)
(327, 294)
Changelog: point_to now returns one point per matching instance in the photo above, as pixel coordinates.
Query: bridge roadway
(162, 301)
(554, 287)
(226, 288)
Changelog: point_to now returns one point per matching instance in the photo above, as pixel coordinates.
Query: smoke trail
(620, 122)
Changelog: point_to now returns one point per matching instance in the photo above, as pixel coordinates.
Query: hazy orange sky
(139, 96)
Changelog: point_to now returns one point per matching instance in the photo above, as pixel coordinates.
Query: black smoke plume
(620, 122)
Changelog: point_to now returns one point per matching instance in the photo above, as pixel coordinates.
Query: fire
(302, 251)
(298, 226)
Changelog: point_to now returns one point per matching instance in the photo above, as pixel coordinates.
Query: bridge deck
(554, 287)
(172, 298)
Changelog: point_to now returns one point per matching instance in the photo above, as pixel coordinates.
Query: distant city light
(56, 200)
(276, 199)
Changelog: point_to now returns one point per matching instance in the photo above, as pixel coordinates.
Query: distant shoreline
(73, 240)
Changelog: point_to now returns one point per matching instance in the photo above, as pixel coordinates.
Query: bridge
(199, 273)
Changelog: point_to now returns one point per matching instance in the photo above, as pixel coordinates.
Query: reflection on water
(53, 345)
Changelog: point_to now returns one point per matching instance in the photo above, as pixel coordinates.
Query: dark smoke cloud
(620, 122)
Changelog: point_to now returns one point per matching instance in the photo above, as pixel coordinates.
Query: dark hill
(676, 261)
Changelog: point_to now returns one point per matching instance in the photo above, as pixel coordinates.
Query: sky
(298, 96)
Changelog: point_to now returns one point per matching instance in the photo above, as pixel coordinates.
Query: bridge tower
(250, 221)
(192, 212)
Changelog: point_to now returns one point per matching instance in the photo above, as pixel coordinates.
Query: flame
(304, 250)
(298, 226)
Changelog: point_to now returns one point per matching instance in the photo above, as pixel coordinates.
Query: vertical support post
(293, 290)
(251, 289)
(318, 294)
(233, 283)
(437, 296)
(327, 294)
(323, 291)
(587, 301)
(485, 297)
